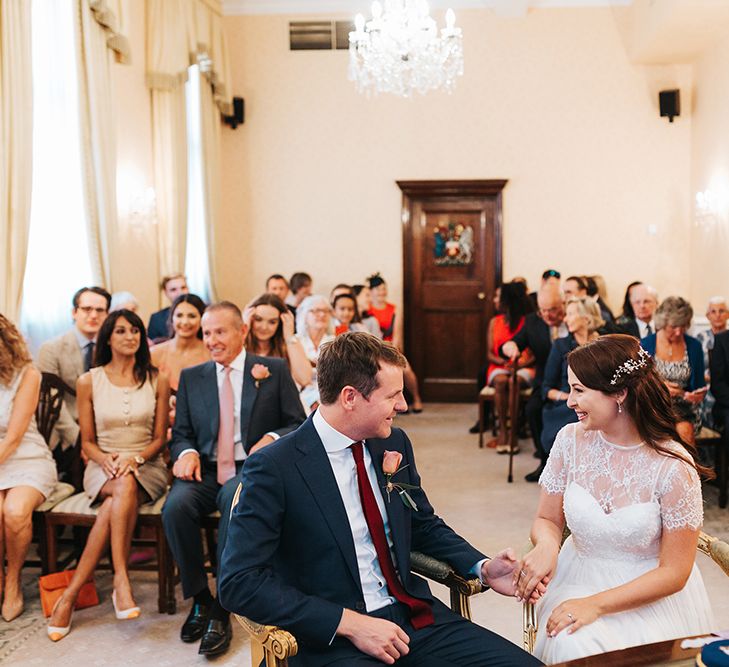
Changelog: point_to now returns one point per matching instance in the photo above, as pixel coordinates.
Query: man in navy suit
(226, 408)
(318, 546)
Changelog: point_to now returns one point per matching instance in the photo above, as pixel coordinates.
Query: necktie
(648, 330)
(421, 614)
(226, 433)
(553, 332)
(89, 355)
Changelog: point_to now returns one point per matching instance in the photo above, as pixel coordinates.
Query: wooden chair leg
(212, 548)
(51, 544)
(513, 433)
(480, 422)
(166, 602)
(40, 530)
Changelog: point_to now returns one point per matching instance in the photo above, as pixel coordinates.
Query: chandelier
(400, 50)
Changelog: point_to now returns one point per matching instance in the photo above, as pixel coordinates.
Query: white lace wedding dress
(618, 501)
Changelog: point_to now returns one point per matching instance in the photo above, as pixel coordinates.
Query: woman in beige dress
(27, 469)
(122, 406)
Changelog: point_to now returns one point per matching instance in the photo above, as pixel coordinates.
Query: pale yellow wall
(135, 254)
(710, 162)
(549, 101)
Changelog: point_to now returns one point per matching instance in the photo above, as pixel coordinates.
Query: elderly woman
(680, 362)
(314, 327)
(583, 319)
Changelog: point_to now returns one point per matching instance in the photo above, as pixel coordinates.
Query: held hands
(511, 350)
(377, 637)
(498, 572)
(572, 614)
(535, 572)
(187, 467)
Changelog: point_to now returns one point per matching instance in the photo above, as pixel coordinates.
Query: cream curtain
(16, 149)
(98, 133)
(181, 33)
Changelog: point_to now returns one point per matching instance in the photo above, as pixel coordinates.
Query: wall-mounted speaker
(669, 102)
(238, 116)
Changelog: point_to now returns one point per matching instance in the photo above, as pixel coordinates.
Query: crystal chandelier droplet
(400, 50)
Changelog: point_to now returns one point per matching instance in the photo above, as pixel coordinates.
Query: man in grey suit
(71, 354)
(226, 409)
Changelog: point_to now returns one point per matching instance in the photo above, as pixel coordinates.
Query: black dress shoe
(475, 428)
(192, 628)
(535, 475)
(216, 639)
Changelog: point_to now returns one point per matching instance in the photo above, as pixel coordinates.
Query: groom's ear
(348, 397)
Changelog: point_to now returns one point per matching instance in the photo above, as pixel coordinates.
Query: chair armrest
(275, 642)
(443, 573)
(716, 549)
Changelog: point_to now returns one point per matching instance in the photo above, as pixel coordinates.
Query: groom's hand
(377, 637)
(498, 572)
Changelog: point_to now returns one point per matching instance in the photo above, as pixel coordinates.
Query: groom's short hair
(353, 359)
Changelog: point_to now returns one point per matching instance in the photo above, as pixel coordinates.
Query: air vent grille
(319, 35)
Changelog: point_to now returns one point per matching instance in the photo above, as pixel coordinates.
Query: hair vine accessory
(631, 365)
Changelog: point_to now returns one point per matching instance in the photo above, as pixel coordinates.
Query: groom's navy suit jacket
(289, 559)
(273, 406)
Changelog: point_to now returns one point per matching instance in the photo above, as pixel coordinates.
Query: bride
(629, 491)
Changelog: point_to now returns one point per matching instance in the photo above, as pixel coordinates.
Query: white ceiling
(351, 7)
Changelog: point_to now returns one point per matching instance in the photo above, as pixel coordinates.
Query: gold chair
(274, 646)
(716, 549)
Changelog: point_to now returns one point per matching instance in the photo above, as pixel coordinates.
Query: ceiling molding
(350, 7)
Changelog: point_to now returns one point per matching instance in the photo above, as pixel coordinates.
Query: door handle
(481, 296)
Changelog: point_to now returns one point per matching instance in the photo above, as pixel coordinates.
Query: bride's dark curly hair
(647, 400)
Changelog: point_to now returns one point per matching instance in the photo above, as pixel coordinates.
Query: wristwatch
(139, 460)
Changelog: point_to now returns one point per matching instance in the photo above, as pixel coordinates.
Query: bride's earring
(620, 407)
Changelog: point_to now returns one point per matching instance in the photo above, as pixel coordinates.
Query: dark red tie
(421, 614)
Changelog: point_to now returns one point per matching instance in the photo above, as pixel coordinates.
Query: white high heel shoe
(124, 614)
(55, 632)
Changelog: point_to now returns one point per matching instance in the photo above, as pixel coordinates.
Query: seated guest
(628, 314)
(27, 470)
(574, 286)
(172, 286)
(549, 276)
(512, 304)
(314, 327)
(186, 347)
(271, 334)
(596, 290)
(123, 301)
(316, 547)
(346, 315)
(537, 334)
(644, 301)
(70, 355)
(583, 321)
(278, 285)
(720, 388)
(226, 409)
(717, 313)
(385, 314)
(301, 287)
(679, 362)
(364, 303)
(122, 404)
(341, 288)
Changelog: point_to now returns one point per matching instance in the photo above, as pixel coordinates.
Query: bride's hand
(534, 572)
(572, 614)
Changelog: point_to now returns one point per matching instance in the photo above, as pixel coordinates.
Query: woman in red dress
(512, 303)
(385, 314)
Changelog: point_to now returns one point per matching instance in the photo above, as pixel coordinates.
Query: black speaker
(669, 102)
(238, 116)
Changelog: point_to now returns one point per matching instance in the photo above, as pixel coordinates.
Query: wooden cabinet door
(452, 264)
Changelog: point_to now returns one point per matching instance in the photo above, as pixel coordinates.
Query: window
(58, 250)
(196, 250)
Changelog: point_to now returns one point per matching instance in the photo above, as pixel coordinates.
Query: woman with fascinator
(627, 487)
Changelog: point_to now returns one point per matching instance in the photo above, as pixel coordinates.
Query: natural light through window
(196, 252)
(58, 252)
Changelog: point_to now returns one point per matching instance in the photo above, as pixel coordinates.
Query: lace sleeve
(680, 497)
(554, 477)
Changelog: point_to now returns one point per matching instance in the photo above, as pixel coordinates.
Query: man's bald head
(551, 304)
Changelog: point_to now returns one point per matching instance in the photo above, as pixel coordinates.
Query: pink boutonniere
(391, 466)
(260, 373)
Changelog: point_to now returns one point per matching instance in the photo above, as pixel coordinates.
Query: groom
(317, 546)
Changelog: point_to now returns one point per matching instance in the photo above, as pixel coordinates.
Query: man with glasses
(72, 354)
(539, 331)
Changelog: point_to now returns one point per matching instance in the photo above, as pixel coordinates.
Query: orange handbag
(52, 587)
